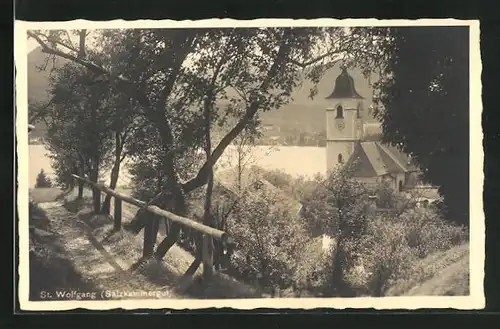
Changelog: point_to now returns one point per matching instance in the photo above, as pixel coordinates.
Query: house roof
(377, 159)
(253, 182)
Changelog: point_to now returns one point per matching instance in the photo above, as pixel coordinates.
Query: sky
(32, 43)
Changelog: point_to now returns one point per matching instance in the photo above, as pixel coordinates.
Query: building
(350, 140)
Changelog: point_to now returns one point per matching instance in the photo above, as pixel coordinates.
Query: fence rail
(187, 222)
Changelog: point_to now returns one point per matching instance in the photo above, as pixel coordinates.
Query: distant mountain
(39, 71)
(308, 114)
(302, 114)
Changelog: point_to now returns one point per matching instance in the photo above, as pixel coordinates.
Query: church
(351, 140)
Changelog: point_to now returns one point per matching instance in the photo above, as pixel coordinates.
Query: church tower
(343, 121)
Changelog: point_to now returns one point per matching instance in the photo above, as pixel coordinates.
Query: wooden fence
(183, 221)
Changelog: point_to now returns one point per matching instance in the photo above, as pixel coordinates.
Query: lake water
(294, 160)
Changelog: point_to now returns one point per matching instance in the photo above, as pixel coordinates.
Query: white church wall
(400, 177)
(333, 149)
(348, 131)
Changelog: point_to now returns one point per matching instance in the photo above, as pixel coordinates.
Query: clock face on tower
(340, 125)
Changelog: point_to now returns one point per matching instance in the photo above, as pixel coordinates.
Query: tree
(338, 204)
(78, 130)
(269, 240)
(173, 73)
(425, 96)
(42, 180)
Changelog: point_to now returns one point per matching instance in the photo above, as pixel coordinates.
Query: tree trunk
(340, 287)
(80, 190)
(177, 202)
(150, 234)
(151, 229)
(218, 248)
(115, 172)
(208, 245)
(81, 172)
(96, 194)
(168, 242)
(197, 260)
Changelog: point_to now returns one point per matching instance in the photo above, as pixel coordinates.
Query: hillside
(301, 115)
(39, 71)
(73, 249)
(443, 273)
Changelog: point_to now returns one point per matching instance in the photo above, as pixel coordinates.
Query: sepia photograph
(248, 164)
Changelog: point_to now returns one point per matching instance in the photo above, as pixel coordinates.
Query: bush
(311, 275)
(371, 251)
(392, 245)
(278, 178)
(269, 241)
(387, 256)
(427, 232)
(42, 180)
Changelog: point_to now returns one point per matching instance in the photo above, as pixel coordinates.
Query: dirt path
(94, 262)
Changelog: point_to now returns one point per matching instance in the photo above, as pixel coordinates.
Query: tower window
(340, 158)
(400, 186)
(358, 115)
(340, 112)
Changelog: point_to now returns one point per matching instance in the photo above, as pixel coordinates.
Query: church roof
(376, 159)
(401, 157)
(344, 87)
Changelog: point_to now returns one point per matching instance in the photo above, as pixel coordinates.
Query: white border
(477, 228)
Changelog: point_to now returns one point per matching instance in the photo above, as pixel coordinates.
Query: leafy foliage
(42, 180)
(162, 82)
(269, 241)
(393, 244)
(424, 107)
(312, 275)
(78, 133)
(369, 251)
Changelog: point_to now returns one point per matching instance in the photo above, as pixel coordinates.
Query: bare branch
(315, 60)
(49, 50)
(40, 112)
(200, 178)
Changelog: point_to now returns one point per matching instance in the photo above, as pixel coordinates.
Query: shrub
(311, 275)
(278, 178)
(42, 180)
(387, 255)
(427, 232)
(392, 245)
(269, 241)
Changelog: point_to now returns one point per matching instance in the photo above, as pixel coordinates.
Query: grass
(45, 194)
(121, 249)
(441, 273)
(51, 269)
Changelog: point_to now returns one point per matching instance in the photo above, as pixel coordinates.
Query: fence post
(207, 256)
(150, 233)
(97, 200)
(118, 214)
